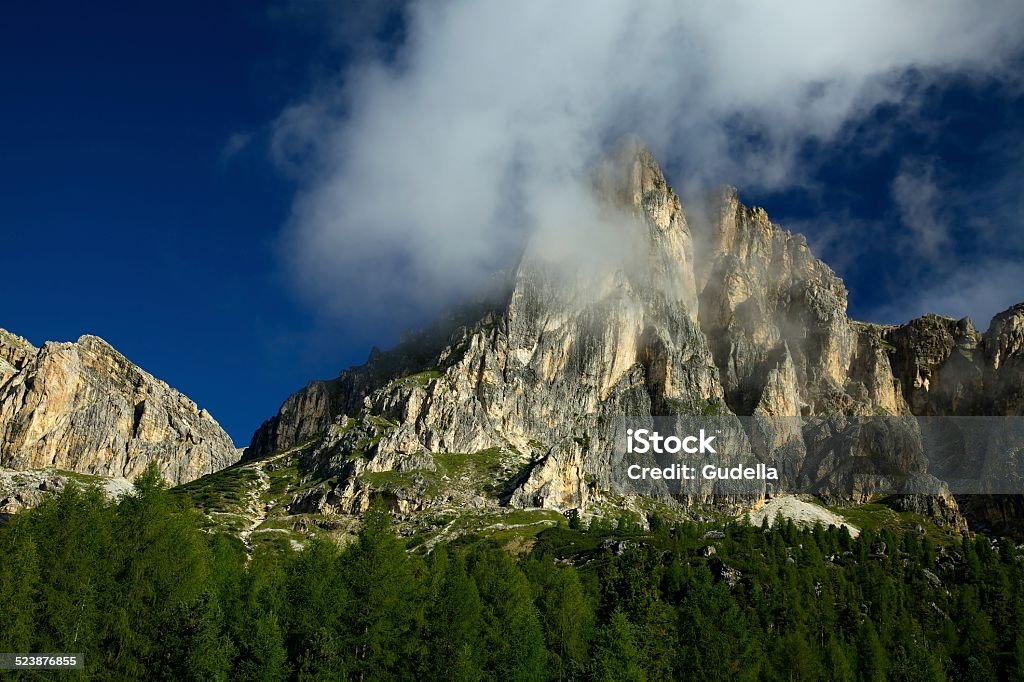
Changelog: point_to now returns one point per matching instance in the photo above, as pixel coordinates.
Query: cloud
(358, 28)
(979, 293)
(844, 241)
(424, 166)
(235, 144)
(919, 201)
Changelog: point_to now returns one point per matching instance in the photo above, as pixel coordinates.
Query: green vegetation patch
(421, 379)
(878, 516)
(227, 490)
(461, 464)
(485, 472)
(84, 479)
(396, 480)
(285, 479)
(497, 526)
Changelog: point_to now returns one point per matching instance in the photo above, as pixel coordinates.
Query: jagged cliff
(947, 367)
(83, 407)
(725, 313)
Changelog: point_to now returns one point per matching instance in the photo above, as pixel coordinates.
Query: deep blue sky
(122, 215)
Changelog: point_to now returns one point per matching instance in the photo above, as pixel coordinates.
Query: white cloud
(919, 201)
(421, 174)
(980, 292)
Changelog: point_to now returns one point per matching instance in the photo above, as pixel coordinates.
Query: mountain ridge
(84, 407)
(731, 314)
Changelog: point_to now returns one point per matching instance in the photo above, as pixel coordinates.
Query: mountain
(946, 366)
(720, 312)
(82, 407)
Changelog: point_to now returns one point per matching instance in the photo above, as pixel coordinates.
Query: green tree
(262, 654)
(162, 570)
(871, 659)
(837, 666)
(617, 657)
(568, 621)
(19, 581)
(77, 573)
(454, 621)
(194, 645)
(381, 613)
(513, 641)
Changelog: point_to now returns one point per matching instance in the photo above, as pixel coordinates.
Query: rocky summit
(509, 404)
(82, 407)
(505, 409)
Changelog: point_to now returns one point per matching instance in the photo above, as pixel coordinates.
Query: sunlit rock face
(766, 302)
(1004, 361)
(15, 353)
(84, 407)
(722, 313)
(947, 367)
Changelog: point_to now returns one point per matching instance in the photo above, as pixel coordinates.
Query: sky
(243, 196)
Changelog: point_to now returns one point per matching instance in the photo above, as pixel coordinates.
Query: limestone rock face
(15, 353)
(728, 315)
(946, 367)
(1004, 361)
(766, 299)
(939, 365)
(84, 407)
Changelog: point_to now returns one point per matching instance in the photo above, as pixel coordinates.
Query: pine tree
(513, 641)
(77, 564)
(194, 645)
(383, 600)
(616, 655)
(568, 619)
(19, 584)
(453, 623)
(837, 666)
(262, 656)
(163, 566)
(871, 659)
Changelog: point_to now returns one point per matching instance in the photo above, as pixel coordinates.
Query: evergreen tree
(77, 563)
(194, 647)
(836, 665)
(871, 659)
(19, 585)
(454, 622)
(513, 641)
(153, 592)
(262, 654)
(616, 656)
(568, 619)
(381, 611)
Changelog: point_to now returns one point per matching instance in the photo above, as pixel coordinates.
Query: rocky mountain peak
(946, 366)
(1006, 336)
(757, 326)
(628, 173)
(15, 352)
(84, 407)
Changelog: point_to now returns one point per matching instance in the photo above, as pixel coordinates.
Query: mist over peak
(423, 172)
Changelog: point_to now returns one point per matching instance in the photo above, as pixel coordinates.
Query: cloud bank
(423, 167)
